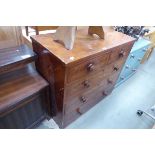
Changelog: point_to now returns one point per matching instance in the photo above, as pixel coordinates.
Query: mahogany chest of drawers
(83, 76)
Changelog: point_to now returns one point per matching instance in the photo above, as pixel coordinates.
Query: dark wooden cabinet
(15, 57)
(24, 94)
(81, 77)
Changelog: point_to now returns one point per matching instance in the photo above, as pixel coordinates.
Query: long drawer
(119, 53)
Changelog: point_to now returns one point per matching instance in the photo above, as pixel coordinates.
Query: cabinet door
(10, 36)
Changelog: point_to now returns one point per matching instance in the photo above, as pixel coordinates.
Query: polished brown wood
(85, 45)
(17, 85)
(21, 90)
(81, 77)
(66, 34)
(15, 58)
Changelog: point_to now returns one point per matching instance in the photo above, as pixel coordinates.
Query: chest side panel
(54, 72)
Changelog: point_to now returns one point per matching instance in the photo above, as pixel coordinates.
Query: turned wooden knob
(121, 54)
(86, 83)
(144, 49)
(134, 70)
(110, 81)
(116, 68)
(122, 78)
(104, 93)
(139, 59)
(132, 56)
(83, 99)
(78, 111)
(127, 66)
(90, 67)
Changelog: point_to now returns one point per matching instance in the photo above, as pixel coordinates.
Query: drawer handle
(144, 49)
(122, 78)
(134, 70)
(127, 67)
(83, 99)
(139, 59)
(86, 83)
(110, 81)
(121, 54)
(78, 111)
(104, 93)
(116, 68)
(90, 67)
(132, 56)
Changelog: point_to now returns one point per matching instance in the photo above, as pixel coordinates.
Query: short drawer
(114, 67)
(124, 76)
(87, 68)
(144, 49)
(129, 69)
(138, 55)
(133, 61)
(119, 53)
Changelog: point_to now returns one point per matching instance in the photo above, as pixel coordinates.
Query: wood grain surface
(18, 85)
(84, 46)
(15, 57)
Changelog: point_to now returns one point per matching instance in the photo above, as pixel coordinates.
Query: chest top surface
(84, 45)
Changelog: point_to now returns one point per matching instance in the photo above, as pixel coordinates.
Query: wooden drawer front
(76, 106)
(82, 98)
(119, 53)
(87, 68)
(87, 84)
(83, 85)
(72, 112)
(114, 68)
(86, 99)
